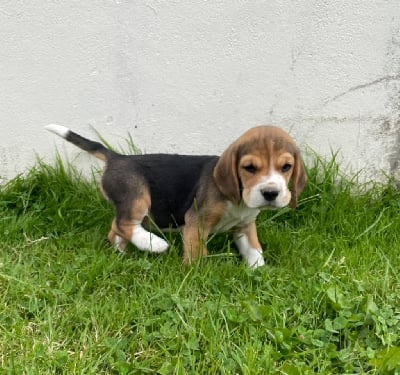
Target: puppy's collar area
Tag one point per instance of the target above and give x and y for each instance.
(236, 215)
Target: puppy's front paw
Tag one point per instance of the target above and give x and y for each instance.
(254, 258)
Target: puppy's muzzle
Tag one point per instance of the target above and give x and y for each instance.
(270, 194)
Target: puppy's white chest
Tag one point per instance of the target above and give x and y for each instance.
(236, 216)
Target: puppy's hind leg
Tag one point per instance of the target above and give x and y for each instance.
(116, 239)
(147, 241)
(127, 227)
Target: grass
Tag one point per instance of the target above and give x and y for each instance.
(327, 302)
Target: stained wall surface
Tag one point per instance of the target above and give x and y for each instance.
(190, 76)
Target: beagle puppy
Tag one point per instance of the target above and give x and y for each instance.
(262, 169)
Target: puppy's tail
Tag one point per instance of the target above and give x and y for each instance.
(95, 148)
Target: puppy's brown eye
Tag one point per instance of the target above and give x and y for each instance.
(286, 167)
(250, 168)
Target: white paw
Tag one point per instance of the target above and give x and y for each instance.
(147, 241)
(254, 258)
(157, 244)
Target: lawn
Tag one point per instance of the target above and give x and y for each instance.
(327, 302)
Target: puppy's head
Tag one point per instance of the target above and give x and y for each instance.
(263, 168)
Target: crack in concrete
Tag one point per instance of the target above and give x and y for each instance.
(387, 78)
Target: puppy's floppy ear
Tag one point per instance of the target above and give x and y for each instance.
(299, 179)
(226, 174)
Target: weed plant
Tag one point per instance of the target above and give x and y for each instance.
(327, 302)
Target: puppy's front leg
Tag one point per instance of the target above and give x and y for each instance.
(195, 234)
(198, 225)
(194, 243)
(249, 247)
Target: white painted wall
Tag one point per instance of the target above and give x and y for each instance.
(190, 76)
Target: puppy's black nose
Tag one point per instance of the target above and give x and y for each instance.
(270, 195)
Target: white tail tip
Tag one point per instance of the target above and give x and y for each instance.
(60, 130)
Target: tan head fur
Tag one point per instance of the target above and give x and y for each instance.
(259, 167)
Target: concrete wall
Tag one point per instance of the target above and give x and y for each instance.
(190, 76)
